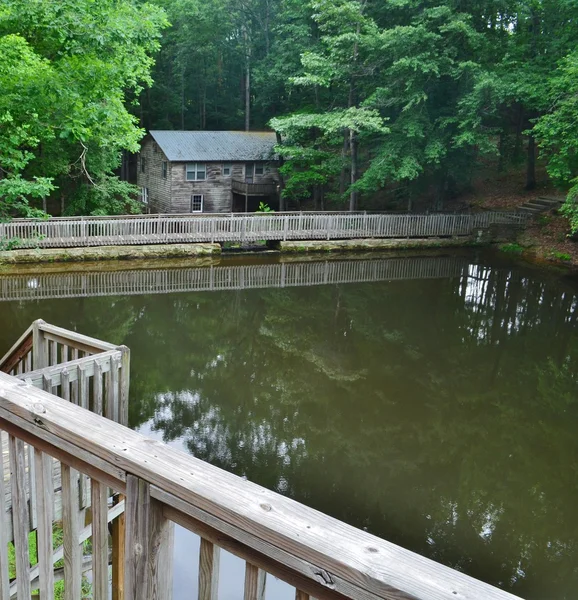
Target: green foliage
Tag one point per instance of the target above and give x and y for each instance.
(563, 256)
(264, 208)
(68, 74)
(512, 248)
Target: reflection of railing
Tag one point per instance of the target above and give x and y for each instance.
(164, 229)
(157, 281)
(254, 189)
(318, 555)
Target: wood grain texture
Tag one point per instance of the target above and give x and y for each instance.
(44, 506)
(118, 553)
(4, 526)
(137, 513)
(255, 581)
(20, 515)
(99, 540)
(334, 555)
(97, 396)
(160, 554)
(70, 527)
(209, 560)
(299, 595)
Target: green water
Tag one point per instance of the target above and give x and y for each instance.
(440, 414)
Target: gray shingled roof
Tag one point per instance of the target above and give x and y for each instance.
(206, 146)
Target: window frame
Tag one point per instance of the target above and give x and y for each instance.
(195, 171)
(144, 195)
(202, 197)
(259, 167)
(228, 166)
(165, 169)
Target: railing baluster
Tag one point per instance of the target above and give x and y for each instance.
(70, 527)
(20, 515)
(99, 540)
(209, 559)
(4, 579)
(44, 507)
(255, 580)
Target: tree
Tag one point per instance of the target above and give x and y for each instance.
(71, 70)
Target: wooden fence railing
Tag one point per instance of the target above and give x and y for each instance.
(40, 491)
(318, 555)
(163, 229)
(226, 277)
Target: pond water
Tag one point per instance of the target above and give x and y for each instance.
(440, 413)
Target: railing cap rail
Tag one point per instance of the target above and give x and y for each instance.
(333, 553)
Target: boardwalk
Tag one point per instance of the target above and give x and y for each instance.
(243, 228)
(216, 278)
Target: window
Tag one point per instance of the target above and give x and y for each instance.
(197, 203)
(144, 195)
(227, 169)
(259, 169)
(142, 164)
(165, 169)
(196, 171)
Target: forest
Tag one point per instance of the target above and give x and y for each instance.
(377, 104)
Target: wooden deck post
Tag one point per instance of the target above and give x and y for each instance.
(148, 546)
(118, 554)
(39, 347)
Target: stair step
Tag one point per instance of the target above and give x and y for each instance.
(530, 209)
(547, 201)
(538, 206)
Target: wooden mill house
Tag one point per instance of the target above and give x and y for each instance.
(208, 171)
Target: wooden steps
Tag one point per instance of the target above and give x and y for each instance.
(540, 205)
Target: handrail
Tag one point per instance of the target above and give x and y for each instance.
(19, 349)
(321, 555)
(167, 229)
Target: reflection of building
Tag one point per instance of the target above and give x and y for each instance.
(208, 171)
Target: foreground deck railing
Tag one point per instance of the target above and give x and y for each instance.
(163, 229)
(224, 277)
(320, 556)
(40, 491)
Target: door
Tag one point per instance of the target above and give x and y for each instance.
(249, 172)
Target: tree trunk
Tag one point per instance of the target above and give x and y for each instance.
(281, 180)
(531, 171)
(343, 174)
(353, 193)
(247, 84)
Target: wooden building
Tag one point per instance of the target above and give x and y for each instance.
(208, 171)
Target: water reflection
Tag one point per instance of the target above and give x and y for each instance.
(440, 414)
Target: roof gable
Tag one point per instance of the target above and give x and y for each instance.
(208, 146)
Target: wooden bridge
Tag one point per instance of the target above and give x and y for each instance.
(152, 486)
(67, 284)
(170, 229)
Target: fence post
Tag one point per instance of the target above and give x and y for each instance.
(148, 545)
(39, 346)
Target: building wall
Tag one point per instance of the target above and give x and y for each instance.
(173, 194)
(159, 189)
(216, 189)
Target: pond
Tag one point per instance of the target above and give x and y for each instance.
(433, 402)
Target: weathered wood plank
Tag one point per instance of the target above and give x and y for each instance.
(70, 527)
(99, 541)
(20, 514)
(118, 554)
(44, 506)
(137, 515)
(344, 559)
(4, 526)
(255, 581)
(209, 559)
(299, 595)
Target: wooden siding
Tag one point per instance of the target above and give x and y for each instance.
(216, 189)
(159, 188)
